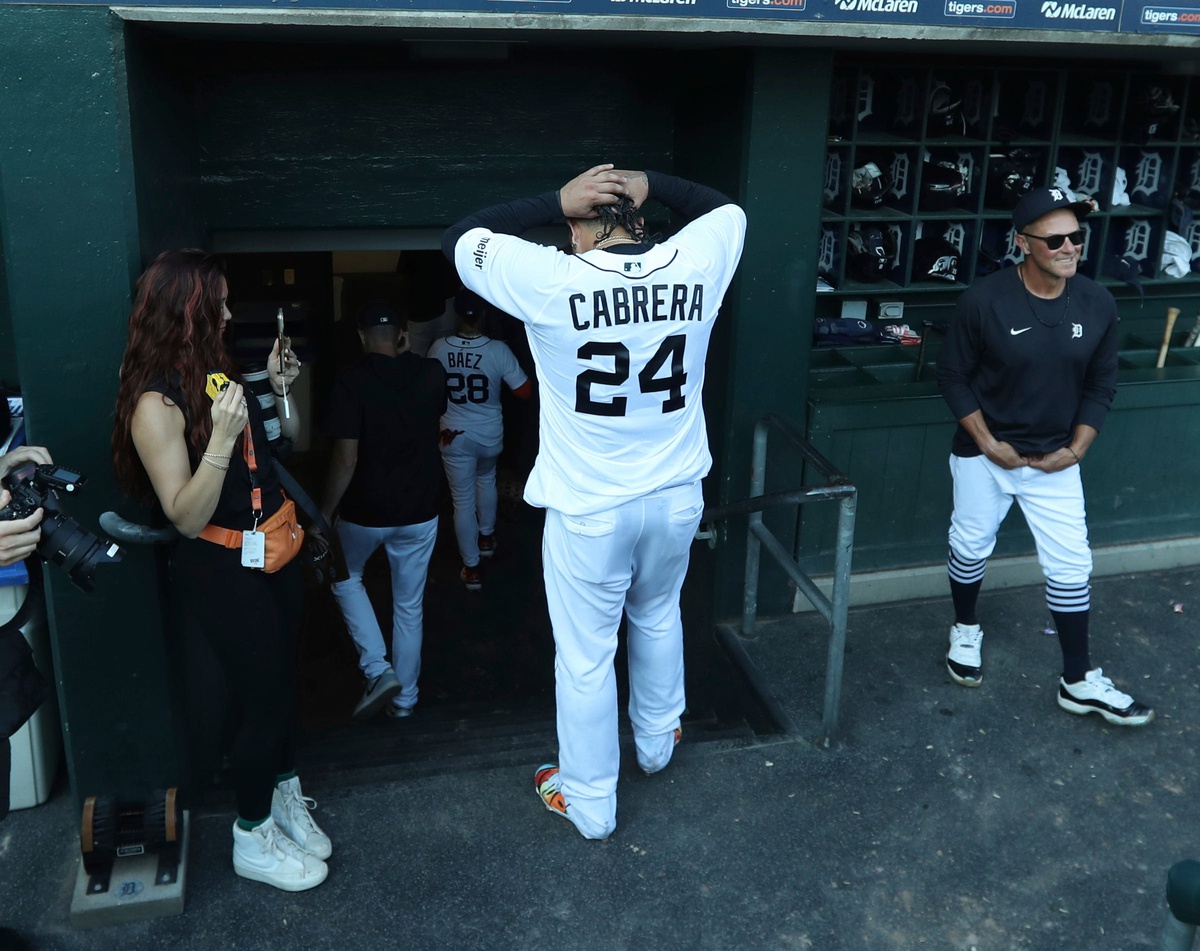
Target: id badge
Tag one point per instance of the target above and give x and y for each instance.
(254, 549)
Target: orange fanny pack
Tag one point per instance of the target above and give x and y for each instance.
(282, 536)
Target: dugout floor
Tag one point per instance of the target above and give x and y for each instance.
(487, 679)
(946, 818)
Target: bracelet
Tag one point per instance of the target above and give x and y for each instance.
(213, 464)
(1072, 452)
(278, 395)
(217, 455)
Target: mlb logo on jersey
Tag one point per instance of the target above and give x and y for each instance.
(633, 267)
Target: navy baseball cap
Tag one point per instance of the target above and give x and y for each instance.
(377, 313)
(1042, 201)
(469, 305)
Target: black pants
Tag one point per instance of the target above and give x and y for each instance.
(250, 619)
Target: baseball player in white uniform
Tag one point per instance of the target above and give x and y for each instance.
(473, 427)
(618, 330)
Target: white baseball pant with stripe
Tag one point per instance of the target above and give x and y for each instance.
(1052, 503)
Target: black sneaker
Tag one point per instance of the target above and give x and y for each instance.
(1096, 694)
(378, 692)
(487, 546)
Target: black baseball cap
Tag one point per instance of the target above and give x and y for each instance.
(469, 305)
(377, 313)
(1042, 201)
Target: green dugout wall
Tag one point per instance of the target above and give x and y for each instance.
(121, 138)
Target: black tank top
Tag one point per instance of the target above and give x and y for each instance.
(234, 509)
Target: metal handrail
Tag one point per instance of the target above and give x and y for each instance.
(837, 488)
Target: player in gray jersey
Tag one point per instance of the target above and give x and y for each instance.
(473, 428)
(1029, 369)
(618, 330)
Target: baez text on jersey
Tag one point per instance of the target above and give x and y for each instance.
(637, 304)
(458, 359)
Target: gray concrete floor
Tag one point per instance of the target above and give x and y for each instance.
(945, 818)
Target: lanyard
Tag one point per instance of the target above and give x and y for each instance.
(252, 465)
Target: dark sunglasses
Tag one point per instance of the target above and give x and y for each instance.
(1055, 241)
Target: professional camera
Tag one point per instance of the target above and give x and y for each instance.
(64, 541)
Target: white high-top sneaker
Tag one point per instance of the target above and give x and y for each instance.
(290, 810)
(265, 854)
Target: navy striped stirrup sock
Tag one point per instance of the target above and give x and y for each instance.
(1070, 606)
(966, 578)
(1068, 598)
(1073, 639)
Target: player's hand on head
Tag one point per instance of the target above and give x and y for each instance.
(599, 185)
(637, 185)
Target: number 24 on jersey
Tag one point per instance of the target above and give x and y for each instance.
(651, 378)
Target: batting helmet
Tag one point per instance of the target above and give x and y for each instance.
(943, 115)
(943, 184)
(869, 184)
(1153, 105)
(1010, 175)
(935, 259)
(867, 257)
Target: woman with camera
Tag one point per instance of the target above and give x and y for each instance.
(186, 435)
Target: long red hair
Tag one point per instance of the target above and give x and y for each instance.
(174, 334)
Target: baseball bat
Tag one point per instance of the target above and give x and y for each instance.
(1193, 337)
(1172, 313)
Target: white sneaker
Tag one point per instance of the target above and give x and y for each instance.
(289, 809)
(1096, 694)
(265, 854)
(964, 660)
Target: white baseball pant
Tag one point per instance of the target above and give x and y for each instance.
(632, 558)
(471, 472)
(408, 550)
(1052, 503)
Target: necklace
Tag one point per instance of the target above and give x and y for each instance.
(1029, 299)
(618, 239)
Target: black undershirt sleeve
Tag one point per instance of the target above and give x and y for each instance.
(510, 217)
(687, 199)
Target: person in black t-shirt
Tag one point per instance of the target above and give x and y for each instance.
(203, 457)
(1029, 369)
(384, 475)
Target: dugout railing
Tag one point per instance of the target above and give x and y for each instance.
(834, 608)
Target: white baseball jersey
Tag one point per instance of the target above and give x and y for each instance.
(475, 367)
(619, 342)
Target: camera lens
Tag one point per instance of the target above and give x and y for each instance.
(73, 548)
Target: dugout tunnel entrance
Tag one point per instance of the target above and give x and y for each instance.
(487, 681)
(324, 168)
